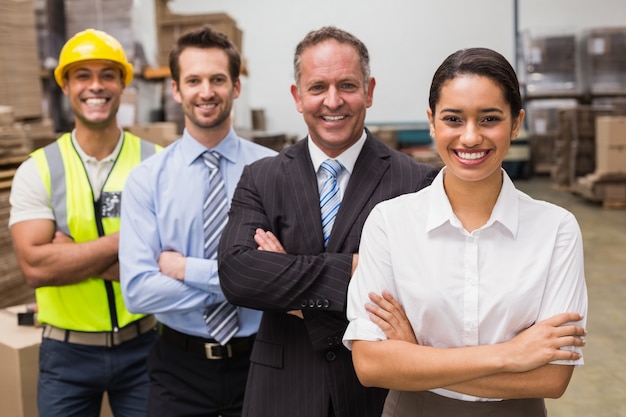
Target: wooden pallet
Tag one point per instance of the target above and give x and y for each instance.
(606, 189)
(614, 204)
(8, 166)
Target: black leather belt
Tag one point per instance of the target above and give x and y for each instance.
(208, 348)
(102, 339)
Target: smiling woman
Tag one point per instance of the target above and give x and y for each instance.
(492, 281)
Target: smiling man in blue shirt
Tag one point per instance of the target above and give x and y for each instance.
(165, 268)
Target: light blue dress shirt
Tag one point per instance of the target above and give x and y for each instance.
(162, 210)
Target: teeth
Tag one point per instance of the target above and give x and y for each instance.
(95, 101)
(206, 106)
(333, 118)
(471, 155)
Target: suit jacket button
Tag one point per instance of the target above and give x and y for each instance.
(330, 356)
(326, 303)
(311, 303)
(318, 303)
(330, 341)
(304, 303)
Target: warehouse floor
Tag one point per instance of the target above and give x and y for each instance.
(598, 389)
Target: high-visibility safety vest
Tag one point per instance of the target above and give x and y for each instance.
(94, 304)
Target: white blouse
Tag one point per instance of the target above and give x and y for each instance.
(466, 289)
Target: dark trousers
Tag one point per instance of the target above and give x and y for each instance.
(186, 384)
(73, 378)
(428, 404)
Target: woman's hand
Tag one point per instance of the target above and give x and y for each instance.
(389, 315)
(541, 343)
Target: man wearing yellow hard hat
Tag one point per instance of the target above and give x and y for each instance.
(65, 218)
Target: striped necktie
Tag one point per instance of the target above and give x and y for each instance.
(221, 319)
(330, 198)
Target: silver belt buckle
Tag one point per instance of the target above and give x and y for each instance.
(208, 349)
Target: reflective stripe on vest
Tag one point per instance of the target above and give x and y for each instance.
(85, 306)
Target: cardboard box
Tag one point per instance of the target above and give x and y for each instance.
(551, 62)
(19, 366)
(20, 84)
(605, 60)
(127, 112)
(170, 26)
(610, 144)
(161, 133)
(608, 189)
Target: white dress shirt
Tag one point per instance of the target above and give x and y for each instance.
(347, 158)
(466, 289)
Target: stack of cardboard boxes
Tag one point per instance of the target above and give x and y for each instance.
(20, 82)
(19, 365)
(161, 133)
(604, 60)
(111, 16)
(607, 184)
(171, 25)
(542, 118)
(552, 63)
(575, 144)
(13, 151)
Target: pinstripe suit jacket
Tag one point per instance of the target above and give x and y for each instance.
(298, 366)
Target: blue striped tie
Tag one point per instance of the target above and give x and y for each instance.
(221, 319)
(330, 198)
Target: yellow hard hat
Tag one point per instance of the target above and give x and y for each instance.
(92, 44)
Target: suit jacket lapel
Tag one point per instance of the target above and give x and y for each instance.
(368, 171)
(304, 193)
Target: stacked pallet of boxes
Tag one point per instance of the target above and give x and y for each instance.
(606, 71)
(553, 81)
(171, 25)
(575, 144)
(571, 80)
(111, 16)
(604, 62)
(607, 184)
(20, 104)
(543, 129)
(552, 63)
(13, 151)
(20, 84)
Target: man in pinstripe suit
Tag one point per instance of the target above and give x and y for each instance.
(272, 255)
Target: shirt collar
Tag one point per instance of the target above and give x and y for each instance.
(347, 158)
(439, 208)
(88, 158)
(192, 149)
(505, 211)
